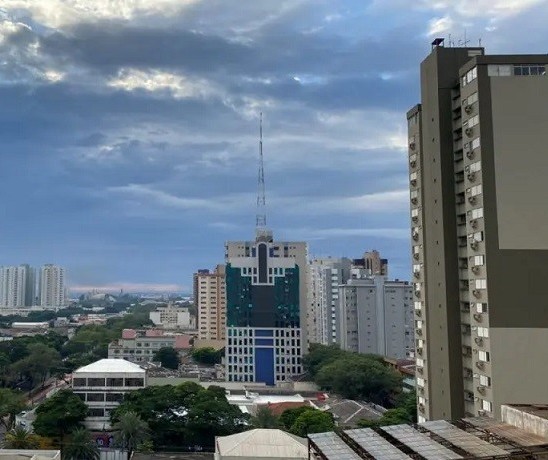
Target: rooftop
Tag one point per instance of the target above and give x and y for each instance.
(262, 443)
(114, 366)
(27, 454)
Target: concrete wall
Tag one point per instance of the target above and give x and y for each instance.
(529, 422)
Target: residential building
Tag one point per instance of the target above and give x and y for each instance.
(52, 286)
(375, 316)
(17, 286)
(210, 301)
(325, 275)
(266, 287)
(372, 262)
(141, 345)
(172, 317)
(478, 196)
(102, 386)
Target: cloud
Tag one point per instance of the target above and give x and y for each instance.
(440, 26)
(308, 234)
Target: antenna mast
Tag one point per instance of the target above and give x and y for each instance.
(261, 230)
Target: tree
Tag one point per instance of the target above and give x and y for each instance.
(264, 418)
(312, 421)
(206, 355)
(405, 412)
(80, 446)
(11, 403)
(320, 355)
(289, 416)
(20, 438)
(60, 415)
(37, 365)
(131, 431)
(168, 356)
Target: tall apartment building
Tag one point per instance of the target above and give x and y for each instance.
(372, 262)
(266, 309)
(478, 190)
(210, 301)
(52, 286)
(172, 317)
(324, 277)
(375, 316)
(17, 286)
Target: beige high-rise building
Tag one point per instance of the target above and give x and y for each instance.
(210, 300)
(479, 198)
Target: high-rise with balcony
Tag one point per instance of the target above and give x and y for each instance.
(17, 286)
(52, 286)
(210, 301)
(478, 190)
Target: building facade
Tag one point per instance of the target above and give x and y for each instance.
(325, 275)
(141, 345)
(102, 386)
(210, 301)
(376, 316)
(266, 309)
(478, 194)
(372, 262)
(172, 317)
(52, 286)
(17, 286)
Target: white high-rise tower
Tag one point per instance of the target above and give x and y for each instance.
(52, 286)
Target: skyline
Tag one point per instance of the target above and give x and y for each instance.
(131, 130)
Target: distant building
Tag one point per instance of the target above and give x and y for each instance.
(210, 301)
(376, 316)
(29, 454)
(102, 385)
(372, 262)
(141, 345)
(266, 284)
(324, 277)
(172, 317)
(52, 286)
(17, 286)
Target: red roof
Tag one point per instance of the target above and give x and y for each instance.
(182, 342)
(129, 334)
(154, 333)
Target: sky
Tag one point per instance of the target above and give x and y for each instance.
(129, 128)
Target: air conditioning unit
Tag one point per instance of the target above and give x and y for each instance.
(413, 163)
(418, 312)
(472, 177)
(480, 364)
(469, 132)
(417, 274)
(418, 331)
(482, 412)
(475, 269)
(478, 317)
(476, 293)
(414, 200)
(416, 236)
(472, 199)
(473, 223)
(474, 245)
(412, 145)
(467, 169)
(481, 389)
(421, 407)
(478, 341)
(416, 256)
(413, 182)
(417, 293)
(470, 154)
(468, 109)
(419, 350)
(415, 218)
(420, 370)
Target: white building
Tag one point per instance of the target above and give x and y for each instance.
(325, 275)
(172, 317)
(29, 454)
(17, 286)
(102, 385)
(52, 286)
(376, 316)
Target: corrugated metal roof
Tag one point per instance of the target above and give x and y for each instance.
(262, 443)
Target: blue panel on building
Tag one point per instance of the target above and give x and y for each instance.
(264, 342)
(264, 333)
(264, 365)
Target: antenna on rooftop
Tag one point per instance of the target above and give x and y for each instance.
(260, 224)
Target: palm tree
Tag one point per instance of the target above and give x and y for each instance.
(80, 446)
(20, 438)
(131, 431)
(264, 418)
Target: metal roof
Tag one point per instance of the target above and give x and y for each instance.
(375, 445)
(332, 446)
(110, 366)
(262, 443)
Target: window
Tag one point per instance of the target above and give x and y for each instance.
(413, 176)
(115, 382)
(481, 307)
(470, 99)
(476, 213)
(473, 121)
(478, 261)
(486, 405)
(485, 381)
(483, 356)
(420, 362)
(415, 213)
(475, 143)
(79, 382)
(475, 167)
(481, 284)
(96, 382)
(499, 70)
(474, 191)
(93, 412)
(130, 382)
(483, 332)
(529, 69)
(420, 382)
(94, 397)
(478, 236)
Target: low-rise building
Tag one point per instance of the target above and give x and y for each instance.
(141, 345)
(29, 454)
(102, 385)
(172, 317)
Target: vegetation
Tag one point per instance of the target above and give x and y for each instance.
(184, 415)
(60, 415)
(206, 355)
(264, 418)
(12, 402)
(405, 412)
(352, 375)
(168, 356)
(132, 432)
(304, 420)
(80, 446)
(20, 438)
